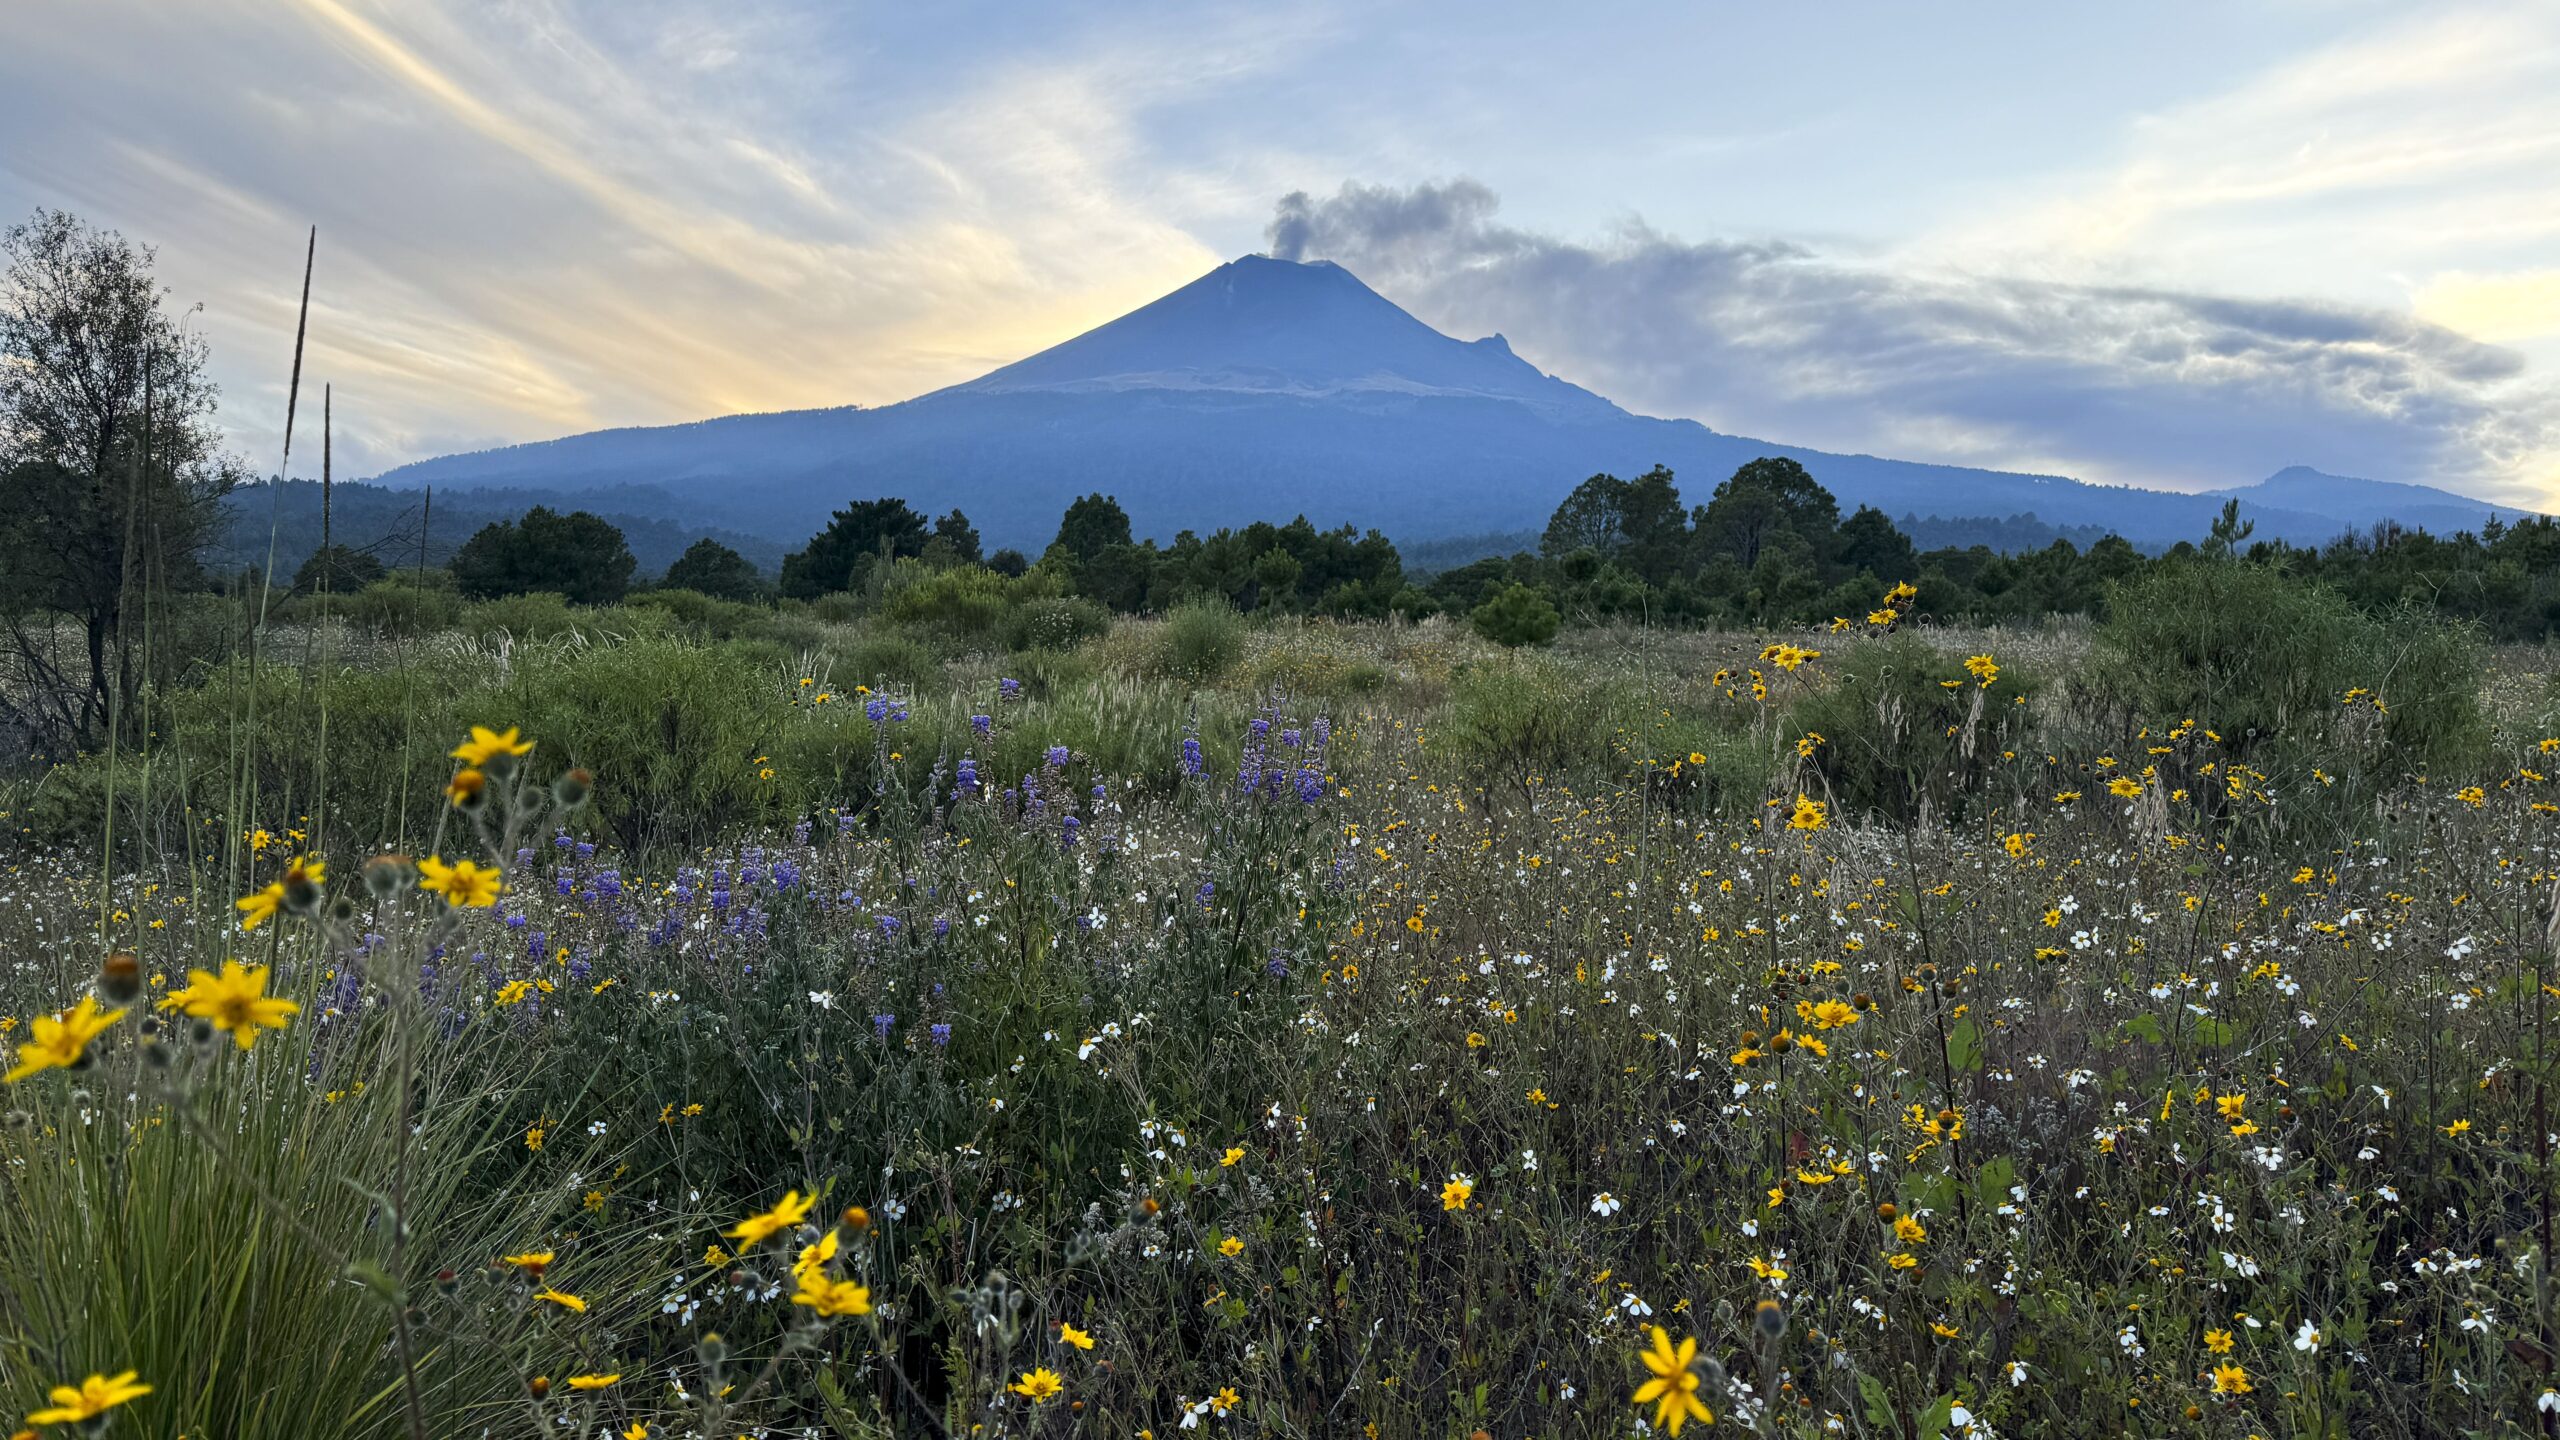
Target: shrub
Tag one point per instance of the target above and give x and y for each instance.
(402, 607)
(1904, 725)
(1200, 641)
(966, 602)
(1060, 623)
(881, 658)
(1520, 615)
(2269, 661)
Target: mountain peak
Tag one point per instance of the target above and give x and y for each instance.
(1307, 328)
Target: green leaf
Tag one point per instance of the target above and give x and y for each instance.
(1934, 1420)
(1879, 1405)
(2210, 1031)
(1964, 1046)
(2145, 1027)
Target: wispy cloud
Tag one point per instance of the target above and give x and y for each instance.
(2113, 382)
(537, 217)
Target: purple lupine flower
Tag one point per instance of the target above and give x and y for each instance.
(609, 883)
(800, 833)
(1067, 830)
(876, 709)
(1208, 892)
(881, 1024)
(564, 883)
(785, 874)
(1057, 757)
(1278, 967)
(1192, 764)
(562, 841)
(965, 783)
(984, 725)
(942, 1036)
(1008, 689)
(889, 925)
(1291, 738)
(941, 926)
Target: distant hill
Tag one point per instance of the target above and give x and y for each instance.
(1269, 388)
(392, 524)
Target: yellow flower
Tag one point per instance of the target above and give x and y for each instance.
(1982, 668)
(2231, 1380)
(1832, 1014)
(235, 1001)
(832, 1297)
(486, 745)
(2124, 787)
(565, 1301)
(1901, 1262)
(464, 884)
(637, 1431)
(1909, 1231)
(815, 1257)
(1231, 1247)
(1226, 1399)
(256, 910)
(1081, 1339)
(1454, 1195)
(532, 1262)
(90, 1399)
(513, 992)
(2458, 1127)
(1673, 1390)
(2218, 1341)
(61, 1042)
(755, 1229)
(1037, 1385)
(593, 1382)
(1235, 1153)
(465, 787)
(1809, 814)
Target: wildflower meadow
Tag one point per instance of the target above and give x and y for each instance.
(654, 1026)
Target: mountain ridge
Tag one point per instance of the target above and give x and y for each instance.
(1268, 387)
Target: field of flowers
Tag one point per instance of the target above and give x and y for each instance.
(1848, 1034)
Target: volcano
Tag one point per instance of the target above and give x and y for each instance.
(1271, 388)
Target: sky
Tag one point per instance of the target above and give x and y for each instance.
(2179, 245)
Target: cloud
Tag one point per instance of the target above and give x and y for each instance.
(2112, 382)
(543, 216)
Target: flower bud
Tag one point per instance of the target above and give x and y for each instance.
(120, 977)
(388, 875)
(572, 788)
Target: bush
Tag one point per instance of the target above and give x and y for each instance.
(403, 607)
(1904, 725)
(880, 658)
(2268, 661)
(1057, 624)
(966, 602)
(1200, 641)
(1518, 616)
(1524, 720)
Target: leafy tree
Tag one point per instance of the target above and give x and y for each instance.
(1092, 525)
(1870, 542)
(1518, 616)
(111, 474)
(1010, 563)
(955, 531)
(1275, 576)
(858, 533)
(578, 555)
(711, 568)
(1592, 518)
(1765, 498)
(342, 569)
